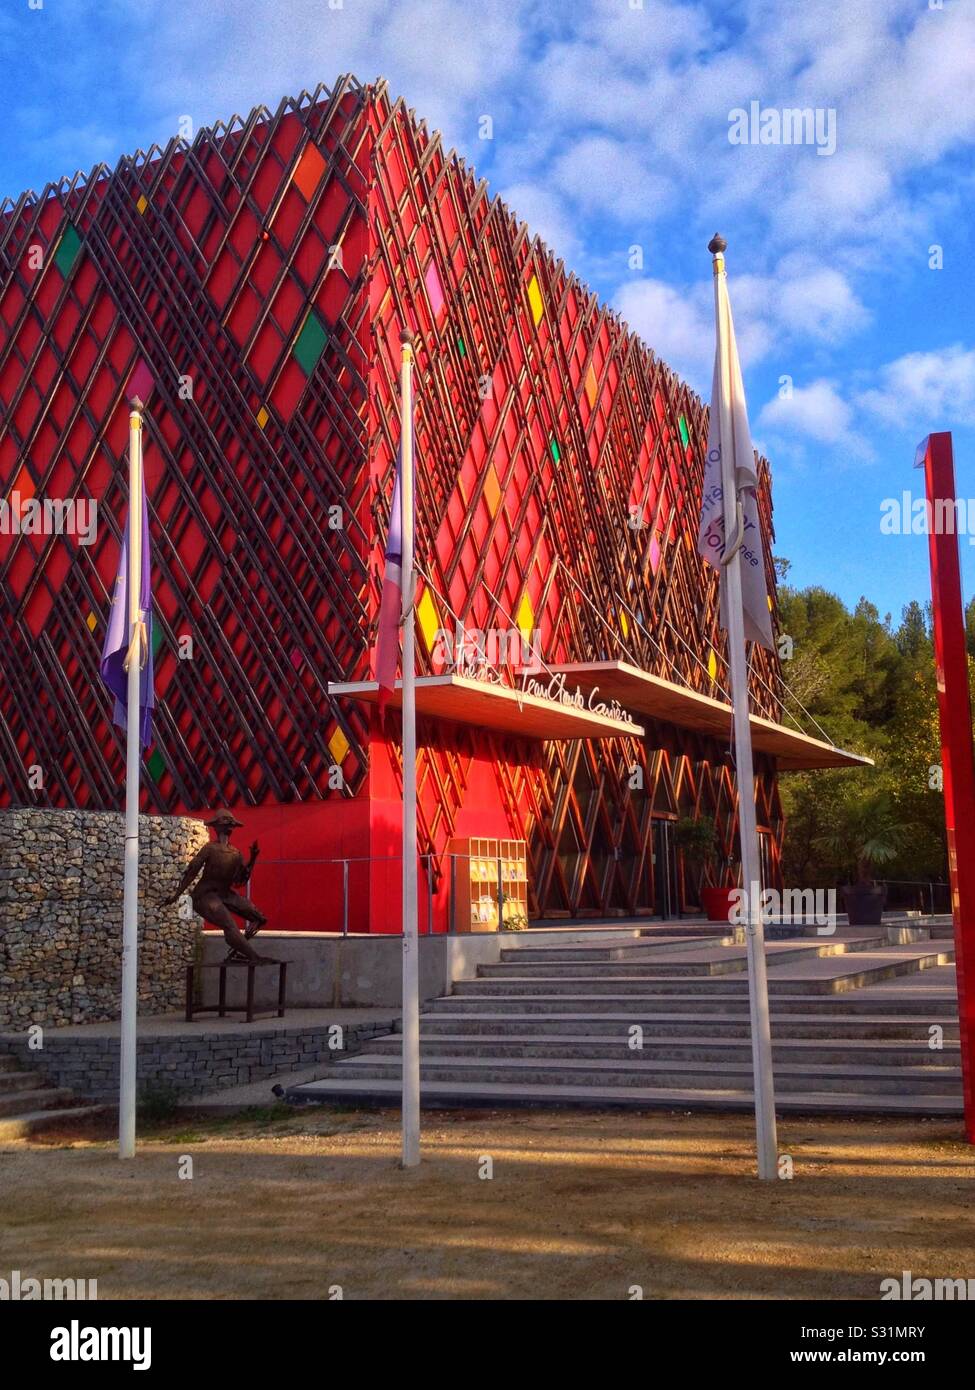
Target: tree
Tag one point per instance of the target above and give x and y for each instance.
(871, 688)
(866, 833)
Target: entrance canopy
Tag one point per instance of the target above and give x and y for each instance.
(468, 701)
(658, 698)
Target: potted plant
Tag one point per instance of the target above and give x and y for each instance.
(513, 917)
(867, 832)
(697, 839)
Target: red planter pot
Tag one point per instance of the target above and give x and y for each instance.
(717, 903)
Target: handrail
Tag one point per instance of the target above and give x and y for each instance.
(346, 860)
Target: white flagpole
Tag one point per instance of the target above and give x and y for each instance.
(765, 1133)
(130, 900)
(411, 993)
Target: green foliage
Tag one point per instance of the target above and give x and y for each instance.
(698, 839)
(871, 687)
(514, 921)
(158, 1103)
(865, 831)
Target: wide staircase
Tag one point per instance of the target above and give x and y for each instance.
(655, 1020)
(29, 1104)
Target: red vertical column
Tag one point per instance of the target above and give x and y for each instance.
(957, 756)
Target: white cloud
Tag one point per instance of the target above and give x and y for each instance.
(929, 390)
(612, 116)
(602, 174)
(546, 217)
(212, 59)
(797, 302)
(916, 102)
(921, 390)
(622, 111)
(678, 326)
(817, 410)
(819, 303)
(837, 192)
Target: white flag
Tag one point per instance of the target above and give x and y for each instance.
(741, 466)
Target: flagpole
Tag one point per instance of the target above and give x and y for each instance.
(765, 1131)
(130, 901)
(411, 994)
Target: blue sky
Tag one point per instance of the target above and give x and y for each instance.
(610, 130)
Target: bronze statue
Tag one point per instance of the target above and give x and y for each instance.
(213, 896)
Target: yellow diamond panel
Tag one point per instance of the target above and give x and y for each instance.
(535, 299)
(592, 386)
(143, 203)
(712, 664)
(492, 490)
(338, 746)
(262, 417)
(429, 619)
(525, 617)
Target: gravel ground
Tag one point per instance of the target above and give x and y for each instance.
(580, 1205)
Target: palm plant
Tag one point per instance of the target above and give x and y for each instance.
(866, 832)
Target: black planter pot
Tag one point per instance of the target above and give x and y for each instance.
(864, 903)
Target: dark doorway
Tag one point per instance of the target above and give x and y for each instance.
(765, 859)
(666, 899)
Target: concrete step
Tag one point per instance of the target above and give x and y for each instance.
(36, 1121)
(593, 933)
(49, 1097)
(8, 1062)
(814, 975)
(19, 1081)
(550, 1025)
(933, 1006)
(849, 1079)
(700, 960)
(386, 1092)
(677, 1025)
(673, 949)
(701, 929)
(836, 1052)
(634, 948)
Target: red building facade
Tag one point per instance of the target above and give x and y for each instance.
(254, 285)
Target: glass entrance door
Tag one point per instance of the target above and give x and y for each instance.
(765, 858)
(666, 899)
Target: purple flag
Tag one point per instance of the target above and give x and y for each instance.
(391, 603)
(117, 638)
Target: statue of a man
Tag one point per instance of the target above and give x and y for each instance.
(223, 869)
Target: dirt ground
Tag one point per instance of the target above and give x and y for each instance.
(581, 1205)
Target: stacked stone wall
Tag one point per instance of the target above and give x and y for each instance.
(61, 915)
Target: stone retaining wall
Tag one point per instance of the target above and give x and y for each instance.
(61, 915)
(197, 1064)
